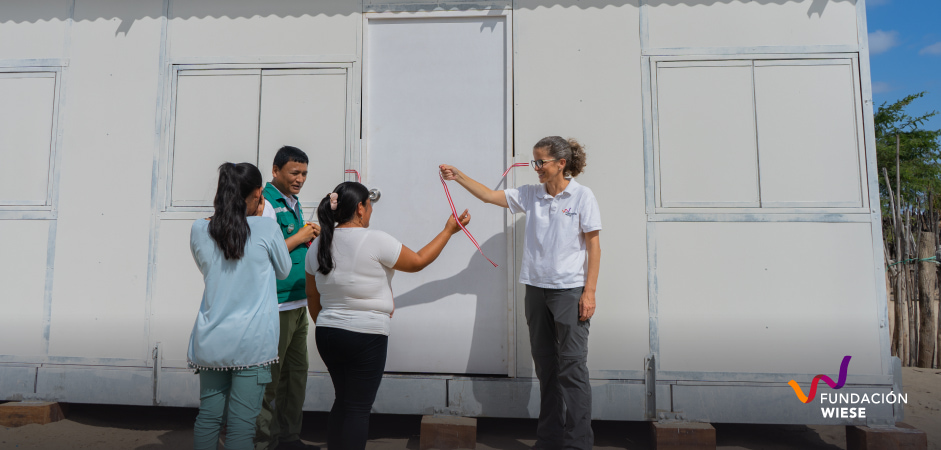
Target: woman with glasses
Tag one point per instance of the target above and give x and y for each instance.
(561, 259)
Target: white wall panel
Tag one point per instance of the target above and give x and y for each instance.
(104, 214)
(33, 29)
(807, 133)
(306, 108)
(26, 118)
(700, 23)
(766, 297)
(219, 28)
(23, 278)
(705, 134)
(568, 84)
(177, 291)
(216, 121)
(437, 92)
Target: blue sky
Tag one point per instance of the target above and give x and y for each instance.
(905, 51)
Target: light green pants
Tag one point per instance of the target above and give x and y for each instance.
(283, 407)
(233, 395)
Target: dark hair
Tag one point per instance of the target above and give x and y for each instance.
(349, 195)
(288, 154)
(570, 150)
(229, 226)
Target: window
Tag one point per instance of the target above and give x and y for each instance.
(245, 115)
(27, 136)
(759, 134)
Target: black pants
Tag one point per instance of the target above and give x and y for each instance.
(355, 362)
(559, 344)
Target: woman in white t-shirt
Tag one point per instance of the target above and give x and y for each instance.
(349, 296)
(561, 260)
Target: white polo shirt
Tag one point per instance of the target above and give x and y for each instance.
(554, 254)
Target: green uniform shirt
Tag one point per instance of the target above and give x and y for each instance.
(291, 288)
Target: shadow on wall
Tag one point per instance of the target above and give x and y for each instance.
(488, 401)
(466, 282)
(128, 12)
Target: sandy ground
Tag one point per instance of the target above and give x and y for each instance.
(146, 428)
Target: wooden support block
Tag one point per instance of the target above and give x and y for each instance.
(683, 436)
(16, 414)
(448, 433)
(900, 437)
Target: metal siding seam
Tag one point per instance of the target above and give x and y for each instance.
(649, 183)
(47, 294)
(159, 123)
(649, 188)
(872, 175)
(754, 105)
(38, 62)
(759, 217)
(652, 290)
(511, 285)
(644, 17)
(61, 84)
(725, 51)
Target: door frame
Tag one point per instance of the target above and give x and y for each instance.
(509, 223)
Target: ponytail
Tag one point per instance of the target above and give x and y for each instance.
(229, 225)
(577, 164)
(350, 194)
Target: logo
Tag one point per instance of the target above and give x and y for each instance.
(813, 384)
(569, 212)
(853, 399)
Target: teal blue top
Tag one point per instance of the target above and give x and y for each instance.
(237, 325)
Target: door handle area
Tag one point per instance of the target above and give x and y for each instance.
(374, 195)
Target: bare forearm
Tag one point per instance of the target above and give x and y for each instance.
(474, 187)
(429, 253)
(482, 192)
(293, 241)
(594, 266)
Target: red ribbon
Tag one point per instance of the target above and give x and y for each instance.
(511, 167)
(458, 220)
(447, 193)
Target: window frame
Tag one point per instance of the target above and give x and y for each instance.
(765, 210)
(42, 69)
(193, 209)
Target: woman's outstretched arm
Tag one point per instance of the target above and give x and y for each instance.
(478, 190)
(410, 261)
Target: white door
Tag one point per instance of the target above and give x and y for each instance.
(436, 92)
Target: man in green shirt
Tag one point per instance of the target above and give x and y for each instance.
(279, 424)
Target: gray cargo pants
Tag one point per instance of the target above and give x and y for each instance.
(559, 344)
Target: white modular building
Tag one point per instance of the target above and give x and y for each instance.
(730, 147)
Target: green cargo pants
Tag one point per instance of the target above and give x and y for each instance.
(282, 409)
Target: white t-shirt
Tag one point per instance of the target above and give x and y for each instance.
(269, 213)
(357, 294)
(554, 253)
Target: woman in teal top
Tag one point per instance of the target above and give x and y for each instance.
(235, 337)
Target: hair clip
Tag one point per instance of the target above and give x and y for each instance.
(333, 201)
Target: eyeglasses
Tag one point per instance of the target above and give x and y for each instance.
(538, 163)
